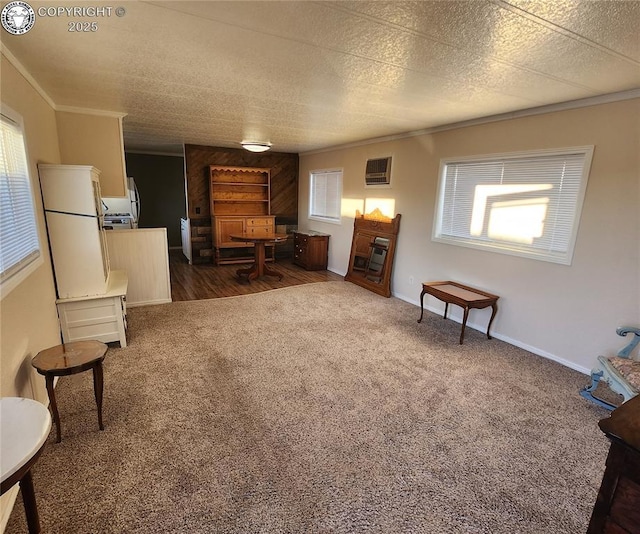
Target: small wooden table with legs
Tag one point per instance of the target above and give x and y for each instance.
(69, 359)
(464, 296)
(259, 267)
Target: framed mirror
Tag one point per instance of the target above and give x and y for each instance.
(372, 250)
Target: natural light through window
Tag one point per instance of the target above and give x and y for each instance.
(518, 221)
(525, 204)
(20, 250)
(512, 220)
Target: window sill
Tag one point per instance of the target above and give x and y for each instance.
(15, 280)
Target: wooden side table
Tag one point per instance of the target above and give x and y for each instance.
(24, 427)
(69, 359)
(464, 296)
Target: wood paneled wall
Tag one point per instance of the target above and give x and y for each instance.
(284, 188)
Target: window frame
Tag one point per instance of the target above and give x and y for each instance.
(327, 219)
(24, 271)
(512, 248)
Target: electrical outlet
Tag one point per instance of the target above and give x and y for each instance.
(411, 280)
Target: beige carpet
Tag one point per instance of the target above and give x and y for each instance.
(319, 408)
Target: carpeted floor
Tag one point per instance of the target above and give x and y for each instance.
(319, 408)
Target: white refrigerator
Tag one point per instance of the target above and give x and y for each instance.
(71, 197)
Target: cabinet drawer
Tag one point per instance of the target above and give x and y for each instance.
(103, 319)
(260, 221)
(259, 230)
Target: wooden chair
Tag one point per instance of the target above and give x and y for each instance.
(620, 372)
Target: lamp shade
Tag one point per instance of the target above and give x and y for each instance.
(252, 146)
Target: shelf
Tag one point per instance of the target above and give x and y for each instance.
(237, 195)
(239, 191)
(240, 184)
(245, 200)
(243, 170)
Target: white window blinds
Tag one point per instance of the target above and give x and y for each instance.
(19, 243)
(326, 195)
(525, 204)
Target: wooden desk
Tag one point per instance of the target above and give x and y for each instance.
(259, 267)
(69, 359)
(24, 427)
(464, 296)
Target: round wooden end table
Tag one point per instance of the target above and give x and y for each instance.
(69, 359)
(24, 427)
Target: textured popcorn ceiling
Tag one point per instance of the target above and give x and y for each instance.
(307, 75)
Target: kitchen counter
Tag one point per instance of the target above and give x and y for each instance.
(144, 254)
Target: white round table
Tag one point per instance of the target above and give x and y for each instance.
(24, 427)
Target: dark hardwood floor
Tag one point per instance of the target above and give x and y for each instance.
(206, 281)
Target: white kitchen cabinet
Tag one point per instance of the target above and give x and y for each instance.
(97, 317)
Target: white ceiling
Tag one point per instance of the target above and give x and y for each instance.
(307, 75)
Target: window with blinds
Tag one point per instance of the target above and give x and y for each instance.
(325, 195)
(525, 204)
(19, 243)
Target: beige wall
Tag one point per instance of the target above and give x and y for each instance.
(568, 313)
(29, 318)
(94, 140)
(29, 322)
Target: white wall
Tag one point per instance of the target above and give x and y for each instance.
(567, 313)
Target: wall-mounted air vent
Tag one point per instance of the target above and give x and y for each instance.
(378, 172)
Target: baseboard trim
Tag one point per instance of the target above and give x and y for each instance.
(148, 302)
(483, 328)
(496, 334)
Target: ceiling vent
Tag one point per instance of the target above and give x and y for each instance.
(378, 172)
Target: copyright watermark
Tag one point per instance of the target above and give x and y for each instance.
(18, 17)
(81, 11)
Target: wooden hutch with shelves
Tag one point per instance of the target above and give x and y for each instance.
(239, 203)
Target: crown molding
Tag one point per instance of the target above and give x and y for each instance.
(540, 110)
(89, 111)
(25, 73)
(34, 83)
